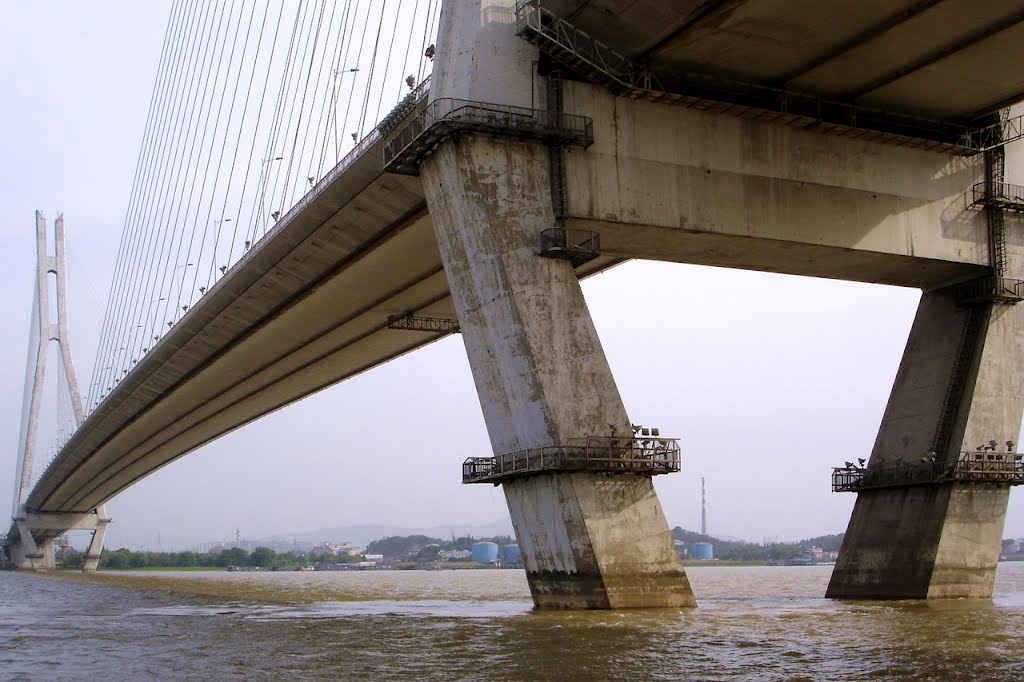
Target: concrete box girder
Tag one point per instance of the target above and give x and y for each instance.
(757, 195)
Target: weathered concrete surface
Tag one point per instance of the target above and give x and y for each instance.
(33, 555)
(670, 183)
(938, 541)
(596, 541)
(922, 542)
(588, 540)
(479, 57)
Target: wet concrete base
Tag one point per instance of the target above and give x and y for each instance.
(555, 590)
(596, 541)
(922, 542)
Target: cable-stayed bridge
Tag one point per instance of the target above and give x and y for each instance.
(311, 202)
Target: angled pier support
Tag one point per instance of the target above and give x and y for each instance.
(589, 539)
(956, 404)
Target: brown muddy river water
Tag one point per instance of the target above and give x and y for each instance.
(756, 623)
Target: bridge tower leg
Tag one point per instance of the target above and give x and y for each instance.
(26, 551)
(588, 540)
(959, 388)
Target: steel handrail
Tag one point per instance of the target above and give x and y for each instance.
(978, 467)
(596, 453)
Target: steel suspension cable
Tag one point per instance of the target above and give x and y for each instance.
(211, 271)
(252, 149)
(144, 265)
(270, 155)
(206, 170)
(157, 180)
(173, 21)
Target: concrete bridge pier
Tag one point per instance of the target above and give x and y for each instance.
(42, 558)
(589, 540)
(960, 387)
(28, 554)
(99, 533)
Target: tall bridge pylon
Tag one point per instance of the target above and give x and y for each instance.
(32, 546)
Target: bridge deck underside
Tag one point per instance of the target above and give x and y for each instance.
(948, 60)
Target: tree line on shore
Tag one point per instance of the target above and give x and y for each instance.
(260, 557)
(730, 550)
(398, 548)
(395, 549)
(417, 548)
(407, 548)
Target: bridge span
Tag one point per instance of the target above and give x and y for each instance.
(306, 307)
(559, 138)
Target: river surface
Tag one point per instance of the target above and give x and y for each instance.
(753, 623)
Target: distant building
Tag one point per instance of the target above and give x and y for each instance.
(823, 555)
(330, 549)
(454, 554)
(703, 551)
(485, 552)
(510, 554)
(373, 558)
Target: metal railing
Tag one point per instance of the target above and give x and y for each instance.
(990, 290)
(648, 456)
(996, 135)
(576, 246)
(584, 53)
(406, 146)
(405, 107)
(423, 324)
(970, 467)
(1000, 195)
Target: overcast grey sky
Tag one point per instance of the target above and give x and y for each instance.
(769, 380)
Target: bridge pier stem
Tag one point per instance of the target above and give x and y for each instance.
(92, 554)
(588, 540)
(28, 554)
(960, 387)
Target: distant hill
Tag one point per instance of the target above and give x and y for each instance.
(364, 535)
(731, 550)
